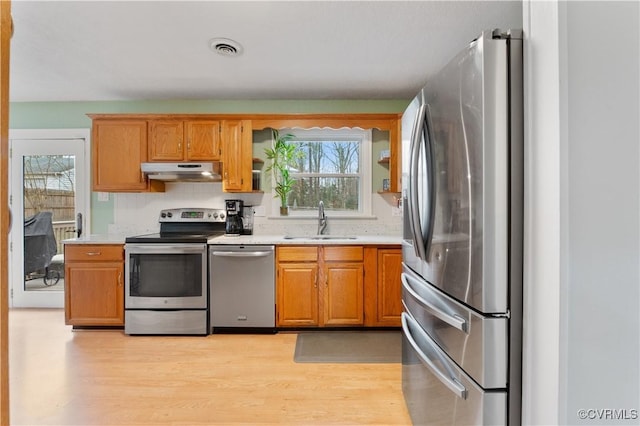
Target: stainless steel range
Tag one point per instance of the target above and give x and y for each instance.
(166, 279)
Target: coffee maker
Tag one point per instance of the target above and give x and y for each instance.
(233, 225)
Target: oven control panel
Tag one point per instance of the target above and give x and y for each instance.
(192, 215)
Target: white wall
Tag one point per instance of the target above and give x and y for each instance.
(542, 214)
(602, 349)
(582, 276)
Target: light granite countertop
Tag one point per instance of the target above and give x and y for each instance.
(311, 240)
(257, 239)
(97, 239)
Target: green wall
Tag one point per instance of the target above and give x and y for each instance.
(69, 115)
(57, 115)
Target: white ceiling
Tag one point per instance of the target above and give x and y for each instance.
(152, 50)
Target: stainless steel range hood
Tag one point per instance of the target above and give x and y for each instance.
(183, 172)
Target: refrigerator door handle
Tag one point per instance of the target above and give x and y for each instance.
(454, 320)
(447, 379)
(414, 209)
(431, 172)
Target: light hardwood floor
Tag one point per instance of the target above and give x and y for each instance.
(103, 377)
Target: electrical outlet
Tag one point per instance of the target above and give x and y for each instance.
(103, 196)
(396, 211)
(259, 211)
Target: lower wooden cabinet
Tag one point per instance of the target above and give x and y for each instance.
(343, 291)
(297, 294)
(338, 286)
(383, 288)
(320, 286)
(94, 284)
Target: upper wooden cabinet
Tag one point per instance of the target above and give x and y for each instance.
(203, 140)
(118, 147)
(121, 142)
(166, 140)
(179, 140)
(237, 158)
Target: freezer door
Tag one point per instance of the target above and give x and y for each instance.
(437, 391)
(461, 198)
(476, 343)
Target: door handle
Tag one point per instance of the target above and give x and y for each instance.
(446, 378)
(79, 224)
(429, 156)
(454, 320)
(414, 208)
(241, 253)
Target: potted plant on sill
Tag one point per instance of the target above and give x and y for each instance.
(282, 155)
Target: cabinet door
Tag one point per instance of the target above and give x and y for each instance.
(343, 294)
(297, 294)
(389, 292)
(166, 140)
(203, 140)
(118, 148)
(236, 155)
(94, 293)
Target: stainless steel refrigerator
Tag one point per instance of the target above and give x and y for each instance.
(462, 188)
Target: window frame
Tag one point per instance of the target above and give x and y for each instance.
(365, 139)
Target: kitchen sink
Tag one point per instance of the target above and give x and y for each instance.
(321, 237)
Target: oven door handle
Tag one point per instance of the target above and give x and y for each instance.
(241, 253)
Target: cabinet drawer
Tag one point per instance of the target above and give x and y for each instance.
(92, 252)
(343, 254)
(297, 254)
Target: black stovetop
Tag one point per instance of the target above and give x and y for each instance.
(172, 237)
(185, 226)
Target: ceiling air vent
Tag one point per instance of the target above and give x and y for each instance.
(225, 46)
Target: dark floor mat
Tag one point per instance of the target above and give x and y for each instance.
(349, 347)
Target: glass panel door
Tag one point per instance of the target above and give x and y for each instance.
(47, 192)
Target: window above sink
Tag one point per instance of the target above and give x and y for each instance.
(334, 167)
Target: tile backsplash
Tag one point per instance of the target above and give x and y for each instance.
(137, 213)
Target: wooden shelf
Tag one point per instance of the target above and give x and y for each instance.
(389, 192)
(258, 161)
(384, 160)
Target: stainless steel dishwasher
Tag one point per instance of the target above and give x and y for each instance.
(242, 288)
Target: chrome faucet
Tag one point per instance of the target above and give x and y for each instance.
(322, 219)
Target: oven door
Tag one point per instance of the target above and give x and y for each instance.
(166, 276)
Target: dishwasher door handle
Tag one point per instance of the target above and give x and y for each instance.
(241, 253)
